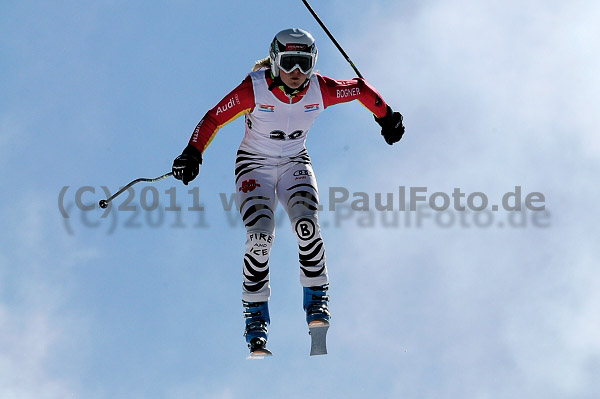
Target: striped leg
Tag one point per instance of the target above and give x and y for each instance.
(311, 252)
(298, 193)
(255, 287)
(256, 199)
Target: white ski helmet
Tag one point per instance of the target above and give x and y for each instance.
(293, 48)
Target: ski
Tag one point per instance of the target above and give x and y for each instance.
(259, 354)
(318, 338)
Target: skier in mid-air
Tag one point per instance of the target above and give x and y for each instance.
(280, 100)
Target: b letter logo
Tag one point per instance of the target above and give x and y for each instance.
(305, 229)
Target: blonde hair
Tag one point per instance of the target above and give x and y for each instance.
(260, 64)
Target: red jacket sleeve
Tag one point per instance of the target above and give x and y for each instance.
(342, 91)
(239, 102)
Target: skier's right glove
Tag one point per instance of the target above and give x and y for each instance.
(392, 128)
(187, 165)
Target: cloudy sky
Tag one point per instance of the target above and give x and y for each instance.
(146, 304)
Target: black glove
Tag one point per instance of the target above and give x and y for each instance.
(392, 128)
(187, 165)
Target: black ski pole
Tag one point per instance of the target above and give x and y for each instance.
(332, 38)
(104, 203)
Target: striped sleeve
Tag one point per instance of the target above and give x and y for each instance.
(240, 101)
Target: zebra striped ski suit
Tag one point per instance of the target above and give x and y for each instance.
(272, 165)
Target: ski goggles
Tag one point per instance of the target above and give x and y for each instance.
(288, 61)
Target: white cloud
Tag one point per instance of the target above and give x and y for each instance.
(528, 70)
(38, 339)
(494, 95)
(28, 336)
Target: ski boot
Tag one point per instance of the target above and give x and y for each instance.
(257, 322)
(317, 317)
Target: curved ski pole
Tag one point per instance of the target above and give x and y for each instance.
(314, 14)
(104, 203)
